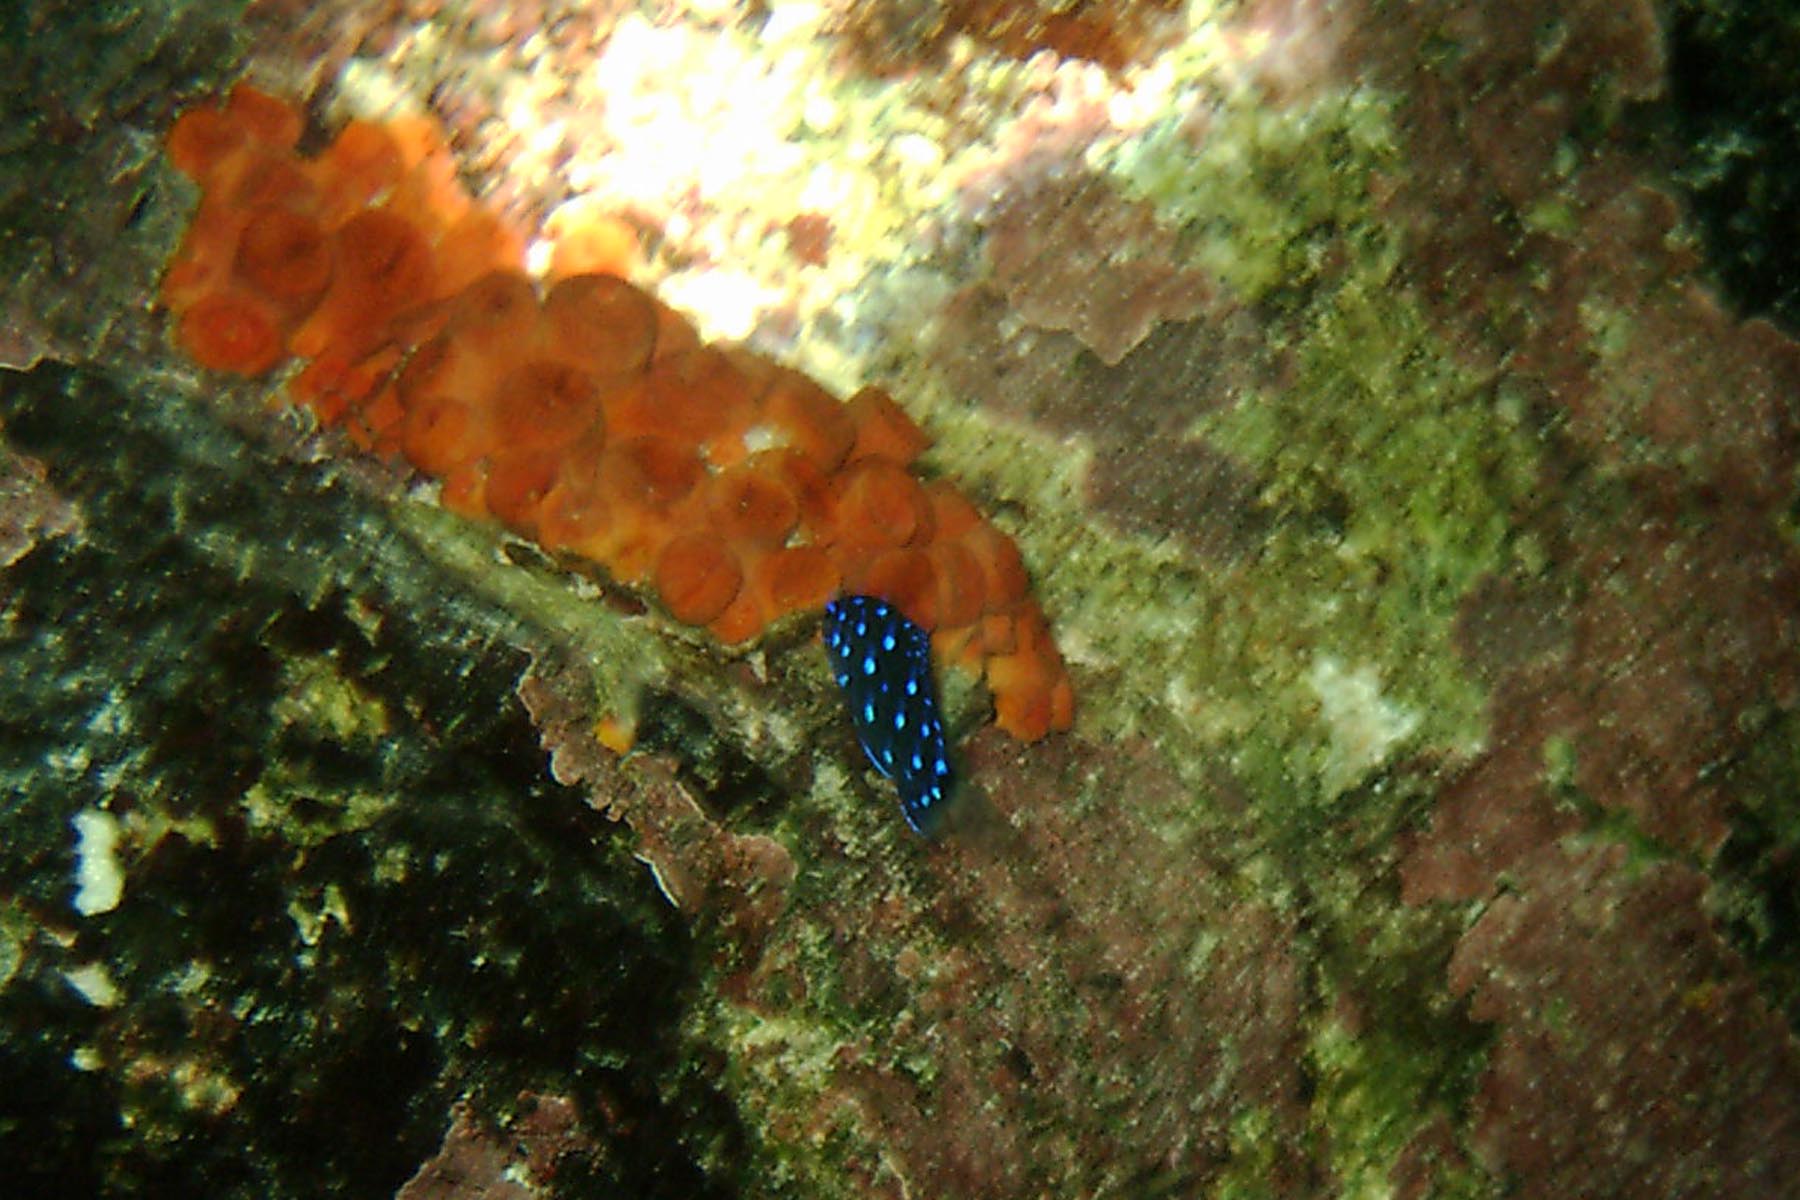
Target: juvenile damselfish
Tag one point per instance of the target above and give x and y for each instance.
(882, 662)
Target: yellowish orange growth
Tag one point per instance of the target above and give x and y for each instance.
(793, 579)
(959, 645)
(699, 395)
(439, 433)
(257, 179)
(600, 324)
(960, 582)
(997, 633)
(543, 406)
(591, 416)
(749, 506)
(697, 576)
(235, 332)
(907, 580)
(882, 430)
(1004, 580)
(360, 167)
(495, 314)
(479, 242)
(615, 734)
(517, 482)
(742, 620)
(382, 265)
(285, 256)
(880, 504)
(951, 512)
(201, 139)
(674, 332)
(267, 119)
(587, 239)
(574, 514)
(809, 419)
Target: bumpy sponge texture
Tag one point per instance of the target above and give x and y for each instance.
(586, 415)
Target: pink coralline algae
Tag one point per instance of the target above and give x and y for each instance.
(1062, 245)
(1634, 1053)
(31, 512)
(1098, 266)
(1634, 1058)
(1682, 623)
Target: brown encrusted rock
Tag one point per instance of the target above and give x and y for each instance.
(1684, 630)
(1634, 1055)
(1073, 254)
(31, 511)
(518, 1162)
(739, 881)
(1187, 488)
(1019, 1007)
(1689, 626)
(1673, 625)
(1500, 807)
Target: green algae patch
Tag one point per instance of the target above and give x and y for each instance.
(322, 716)
(623, 658)
(1373, 1101)
(723, 712)
(1394, 474)
(1390, 475)
(1395, 1057)
(1262, 194)
(315, 693)
(1251, 1171)
(1396, 478)
(785, 1065)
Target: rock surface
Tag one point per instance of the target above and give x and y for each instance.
(1419, 529)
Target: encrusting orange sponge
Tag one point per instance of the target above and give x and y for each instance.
(232, 331)
(590, 416)
(587, 239)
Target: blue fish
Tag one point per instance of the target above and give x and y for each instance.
(882, 661)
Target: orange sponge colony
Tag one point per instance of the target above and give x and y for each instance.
(588, 416)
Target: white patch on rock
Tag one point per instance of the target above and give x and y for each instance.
(95, 984)
(1364, 725)
(99, 883)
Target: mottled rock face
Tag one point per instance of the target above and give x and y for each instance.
(1414, 512)
(284, 862)
(1608, 1028)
